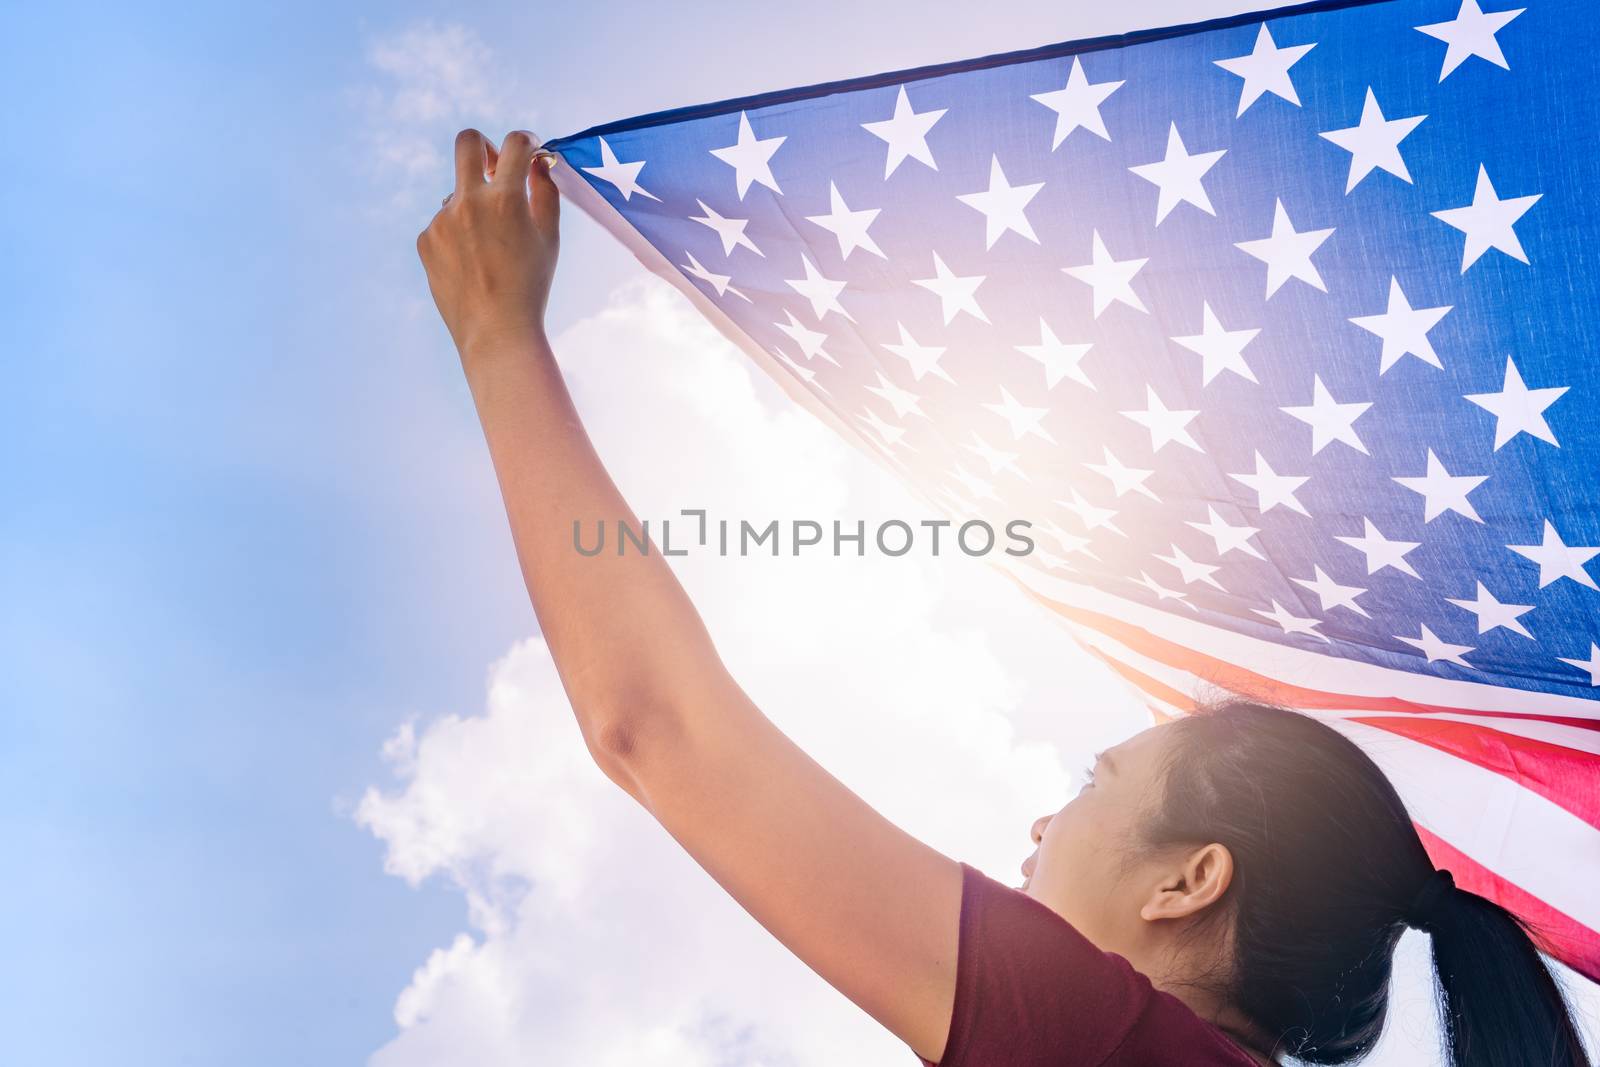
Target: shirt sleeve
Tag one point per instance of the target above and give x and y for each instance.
(1031, 991)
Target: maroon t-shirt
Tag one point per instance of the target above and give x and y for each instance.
(1033, 992)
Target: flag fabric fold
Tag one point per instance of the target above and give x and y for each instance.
(1281, 329)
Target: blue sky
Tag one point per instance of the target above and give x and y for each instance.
(249, 530)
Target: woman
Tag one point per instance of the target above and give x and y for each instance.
(1229, 889)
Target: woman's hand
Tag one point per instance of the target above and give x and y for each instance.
(490, 252)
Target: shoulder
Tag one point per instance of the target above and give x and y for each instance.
(1034, 992)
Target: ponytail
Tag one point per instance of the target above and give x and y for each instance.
(1498, 1001)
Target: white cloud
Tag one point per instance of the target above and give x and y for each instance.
(428, 81)
(594, 938)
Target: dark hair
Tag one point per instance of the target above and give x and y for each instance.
(1327, 872)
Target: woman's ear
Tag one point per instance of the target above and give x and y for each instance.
(1196, 882)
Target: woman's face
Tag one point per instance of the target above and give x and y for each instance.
(1087, 866)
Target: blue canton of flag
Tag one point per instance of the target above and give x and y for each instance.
(1281, 329)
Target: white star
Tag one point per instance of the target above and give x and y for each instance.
(1592, 664)
(1287, 253)
(1060, 360)
(1112, 279)
(1272, 488)
(980, 489)
(1192, 571)
(809, 341)
(1266, 70)
(1435, 649)
(1404, 329)
(1068, 542)
(1165, 425)
(1471, 33)
(1374, 143)
(1023, 420)
(1002, 205)
(1329, 421)
(1488, 222)
(719, 282)
(806, 373)
(1332, 594)
(1123, 479)
(1557, 559)
(923, 358)
(1178, 176)
(1518, 409)
(889, 433)
(955, 294)
(998, 460)
(730, 230)
(750, 158)
(904, 401)
(1380, 551)
(906, 133)
(625, 176)
(1092, 517)
(1443, 491)
(1228, 538)
(1291, 624)
(1051, 560)
(1161, 591)
(1219, 349)
(1492, 613)
(1077, 105)
(850, 227)
(822, 292)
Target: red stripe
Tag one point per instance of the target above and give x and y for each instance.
(1246, 682)
(1561, 936)
(1562, 775)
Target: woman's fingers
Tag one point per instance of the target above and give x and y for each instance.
(472, 160)
(515, 156)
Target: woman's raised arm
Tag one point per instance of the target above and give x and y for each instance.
(868, 907)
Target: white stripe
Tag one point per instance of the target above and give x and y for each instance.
(1573, 737)
(1175, 677)
(1299, 667)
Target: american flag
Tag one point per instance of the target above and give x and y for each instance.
(1282, 329)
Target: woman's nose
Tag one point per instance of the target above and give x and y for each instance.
(1039, 824)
